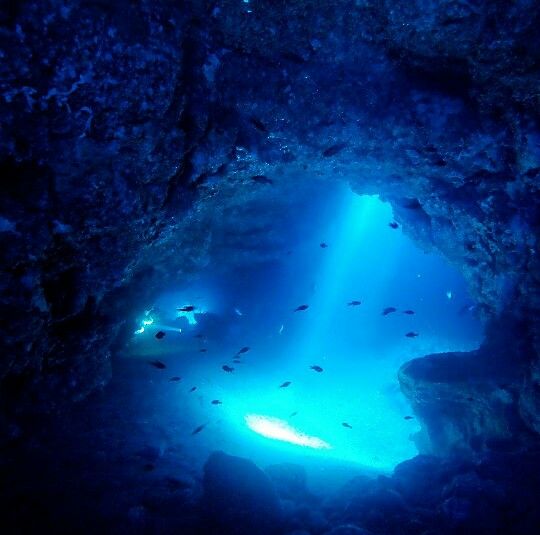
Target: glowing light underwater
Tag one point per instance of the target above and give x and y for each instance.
(277, 429)
(190, 316)
(149, 320)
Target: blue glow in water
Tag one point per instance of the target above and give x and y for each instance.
(277, 429)
(353, 410)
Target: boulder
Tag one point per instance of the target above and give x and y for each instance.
(289, 481)
(238, 498)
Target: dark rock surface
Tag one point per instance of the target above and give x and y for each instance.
(238, 498)
(289, 480)
(431, 495)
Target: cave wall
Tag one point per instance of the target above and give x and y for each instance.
(130, 128)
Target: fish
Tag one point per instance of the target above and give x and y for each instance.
(198, 429)
(293, 56)
(175, 379)
(411, 334)
(238, 312)
(323, 245)
(186, 308)
(192, 389)
(258, 124)
(410, 203)
(316, 368)
(227, 369)
(293, 414)
(237, 361)
(348, 426)
(354, 303)
(393, 225)
(262, 179)
(408, 417)
(449, 294)
(301, 307)
(148, 467)
(285, 384)
(409, 312)
(388, 310)
(216, 402)
(200, 335)
(160, 335)
(281, 328)
(334, 149)
(203, 350)
(245, 349)
(158, 364)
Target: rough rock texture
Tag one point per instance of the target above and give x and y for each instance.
(238, 498)
(494, 494)
(470, 401)
(130, 129)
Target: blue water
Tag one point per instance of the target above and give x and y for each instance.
(359, 349)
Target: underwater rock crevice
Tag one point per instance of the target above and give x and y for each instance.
(472, 402)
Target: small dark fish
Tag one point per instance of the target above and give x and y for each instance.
(148, 467)
(192, 389)
(285, 384)
(411, 334)
(175, 379)
(187, 308)
(301, 307)
(237, 361)
(388, 310)
(410, 203)
(293, 414)
(393, 225)
(316, 368)
(262, 179)
(216, 402)
(258, 124)
(227, 369)
(160, 335)
(334, 149)
(158, 364)
(348, 426)
(293, 56)
(198, 335)
(323, 245)
(198, 429)
(245, 349)
(470, 399)
(354, 303)
(410, 312)
(408, 417)
(203, 350)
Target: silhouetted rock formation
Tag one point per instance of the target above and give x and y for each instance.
(238, 498)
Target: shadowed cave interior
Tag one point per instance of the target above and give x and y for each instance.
(269, 267)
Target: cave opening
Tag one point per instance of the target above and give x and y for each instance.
(270, 267)
(251, 372)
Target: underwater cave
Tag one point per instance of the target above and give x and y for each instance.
(269, 267)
